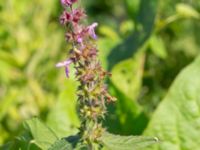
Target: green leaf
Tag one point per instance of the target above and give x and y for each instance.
(69, 143)
(63, 118)
(125, 116)
(126, 84)
(61, 145)
(126, 27)
(127, 76)
(22, 142)
(43, 136)
(176, 121)
(132, 7)
(158, 47)
(117, 142)
(136, 40)
(7, 102)
(107, 31)
(105, 45)
(187, 11)
(81, 146)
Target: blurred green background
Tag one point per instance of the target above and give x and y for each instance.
(144, 43)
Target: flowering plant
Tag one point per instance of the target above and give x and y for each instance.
(92, 92)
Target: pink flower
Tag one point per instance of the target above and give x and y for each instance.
(68, 2)
(78, 14)
(72, 17)
(91, 30)
(80, 32)
(65, 18)
(66, 65)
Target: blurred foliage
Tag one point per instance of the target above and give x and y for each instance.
(145, 44)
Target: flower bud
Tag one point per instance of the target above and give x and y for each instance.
(68, 2)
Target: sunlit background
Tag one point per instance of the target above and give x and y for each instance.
(144, 43)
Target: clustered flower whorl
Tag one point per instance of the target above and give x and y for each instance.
(92, 92)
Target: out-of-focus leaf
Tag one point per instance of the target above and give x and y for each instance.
(37, 91)
(63, 118)
(132, 7)
(126, 27)
(125, 116)
(126, 83)
(158, 47)
(43, 136)
(176, 121)
(105, 46)
(186, 11)
(117, 142)
(109, 32)
(127, 76)
(6, 103)
(8, 58)
(106, 43)
(145, 24)
(8, 72)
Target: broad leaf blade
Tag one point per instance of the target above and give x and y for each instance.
(117, 142)
(61, 145)
(70, 143)
(63, 119)
(176, 122)
(43, 136)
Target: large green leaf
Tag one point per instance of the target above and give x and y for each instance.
(61, 145)
(63, 118)
(176, 122)
(66, 144)
(43, 136)
(117, 142)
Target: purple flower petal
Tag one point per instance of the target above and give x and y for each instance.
(62, 2)
(67, 71)
(79, 39)
(91, 30)
(64, 63)
(68, 2)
